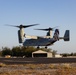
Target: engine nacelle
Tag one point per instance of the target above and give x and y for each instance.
(20, 36)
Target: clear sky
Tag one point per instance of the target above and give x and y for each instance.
(48, 13)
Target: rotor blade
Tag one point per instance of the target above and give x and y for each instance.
(41, 29)
(22, 26)
(55, 27)
(25, 26)
(47, 29)
(12, 25)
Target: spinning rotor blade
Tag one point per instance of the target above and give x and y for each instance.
(11, 25)
(22, 26)
(48, 29)
(55, 27)
(25, 26)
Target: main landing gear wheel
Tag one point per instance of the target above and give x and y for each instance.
(45, 47)
(38, 47)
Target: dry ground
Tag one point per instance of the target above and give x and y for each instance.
(38, 69)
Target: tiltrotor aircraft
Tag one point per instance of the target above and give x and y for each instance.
(40, 40)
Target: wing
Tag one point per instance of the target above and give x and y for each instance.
(36, 37)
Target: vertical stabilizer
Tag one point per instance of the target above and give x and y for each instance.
(56, 34)
(66, 35)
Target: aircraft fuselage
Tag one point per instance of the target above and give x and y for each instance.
(39, 42)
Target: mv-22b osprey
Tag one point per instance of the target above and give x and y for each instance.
(40, 40)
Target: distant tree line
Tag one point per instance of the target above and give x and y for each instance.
(27, 51)
(68, 54)
(19, 51)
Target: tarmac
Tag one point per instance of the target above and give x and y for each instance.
(36, 60)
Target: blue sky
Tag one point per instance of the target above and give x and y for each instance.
(48, 13)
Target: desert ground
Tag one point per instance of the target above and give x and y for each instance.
(38, 69)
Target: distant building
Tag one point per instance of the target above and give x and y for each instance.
(41, 53)
(58, 55)
(7, 56)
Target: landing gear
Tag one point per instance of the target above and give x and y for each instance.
(38, 47)
(45, 47)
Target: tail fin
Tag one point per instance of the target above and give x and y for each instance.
(66, 35)
(56, 34)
